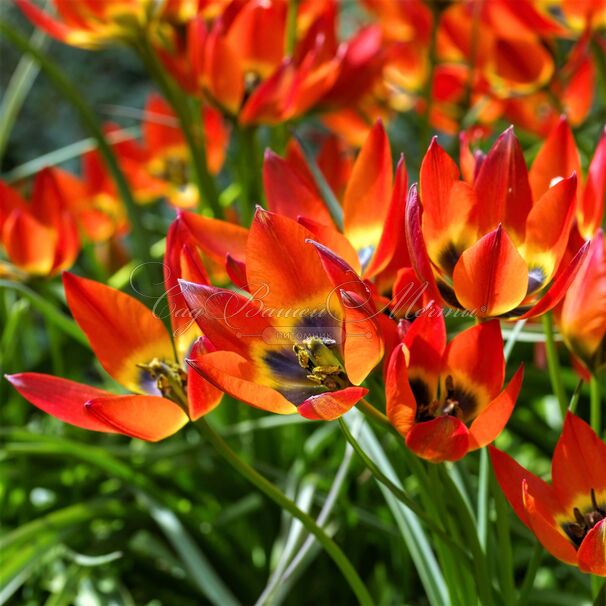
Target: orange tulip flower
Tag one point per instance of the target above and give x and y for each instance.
(306, 337)
(134, 347)
(446, 399)
(255, 78)
(489, 246)
(160, 166)
(40, 238)
(97, 23)
(582, 318)
(568, 516)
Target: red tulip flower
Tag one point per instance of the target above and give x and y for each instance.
(489, 246)
(134, 347)
(447, 399)
(40, 237)
(304, 339)
(568, 516)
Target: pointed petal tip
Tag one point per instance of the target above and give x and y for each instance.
(269, 154)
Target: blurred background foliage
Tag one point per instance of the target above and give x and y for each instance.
(92, 519)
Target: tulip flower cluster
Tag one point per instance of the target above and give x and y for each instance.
(413, 301)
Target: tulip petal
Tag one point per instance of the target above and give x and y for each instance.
(400, 402)
(288, 194)
(61, 398)
(240, 378)
(474, 359)
(279, 260)
(368, 193)
(228, 319)
(557, 158)
(29, 244)
(576, 467)
(332, 404)
(502, 187)
(558, 288)
(425, 341)
(416, 244)
(45, 22)
(591, 556)
(547, 230)
(363, 347)
(441, 439)
(217, 238)
(333, 239)
(591, 205)
(122, 331)
(202, 396)
(550, 535)
(149, 418)
(491, 278)
(583, 314)
(491, 421)
(392, 246)
(511, 477)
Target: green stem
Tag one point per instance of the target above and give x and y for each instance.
(265, 486)
(290, 40)
(553, 364)
(427, 91)
(89, 120)
(400, 494)
(374, 413)
(483, 497)
(249, 168)
(596, 405)
(205, 183)
(574, 401)
(16, 92)
(468, 525)
(505, 567)
(531, 573)
(49, 311)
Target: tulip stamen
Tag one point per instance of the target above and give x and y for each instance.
(450, 405)
(317, 356)
(584, 522)
(171, 379)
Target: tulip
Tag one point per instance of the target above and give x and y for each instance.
(582, 319)
(447, 399)
(40, 238)
(568, 516)
(305, 337)
(490, 246)
(93, 25)
(134, 347)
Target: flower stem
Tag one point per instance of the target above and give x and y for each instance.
(89, 120)
(400, 494)
(531, 573)
(249, 167)
(553, 364)
(276, 495)
(374, 413)
(596, 405)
